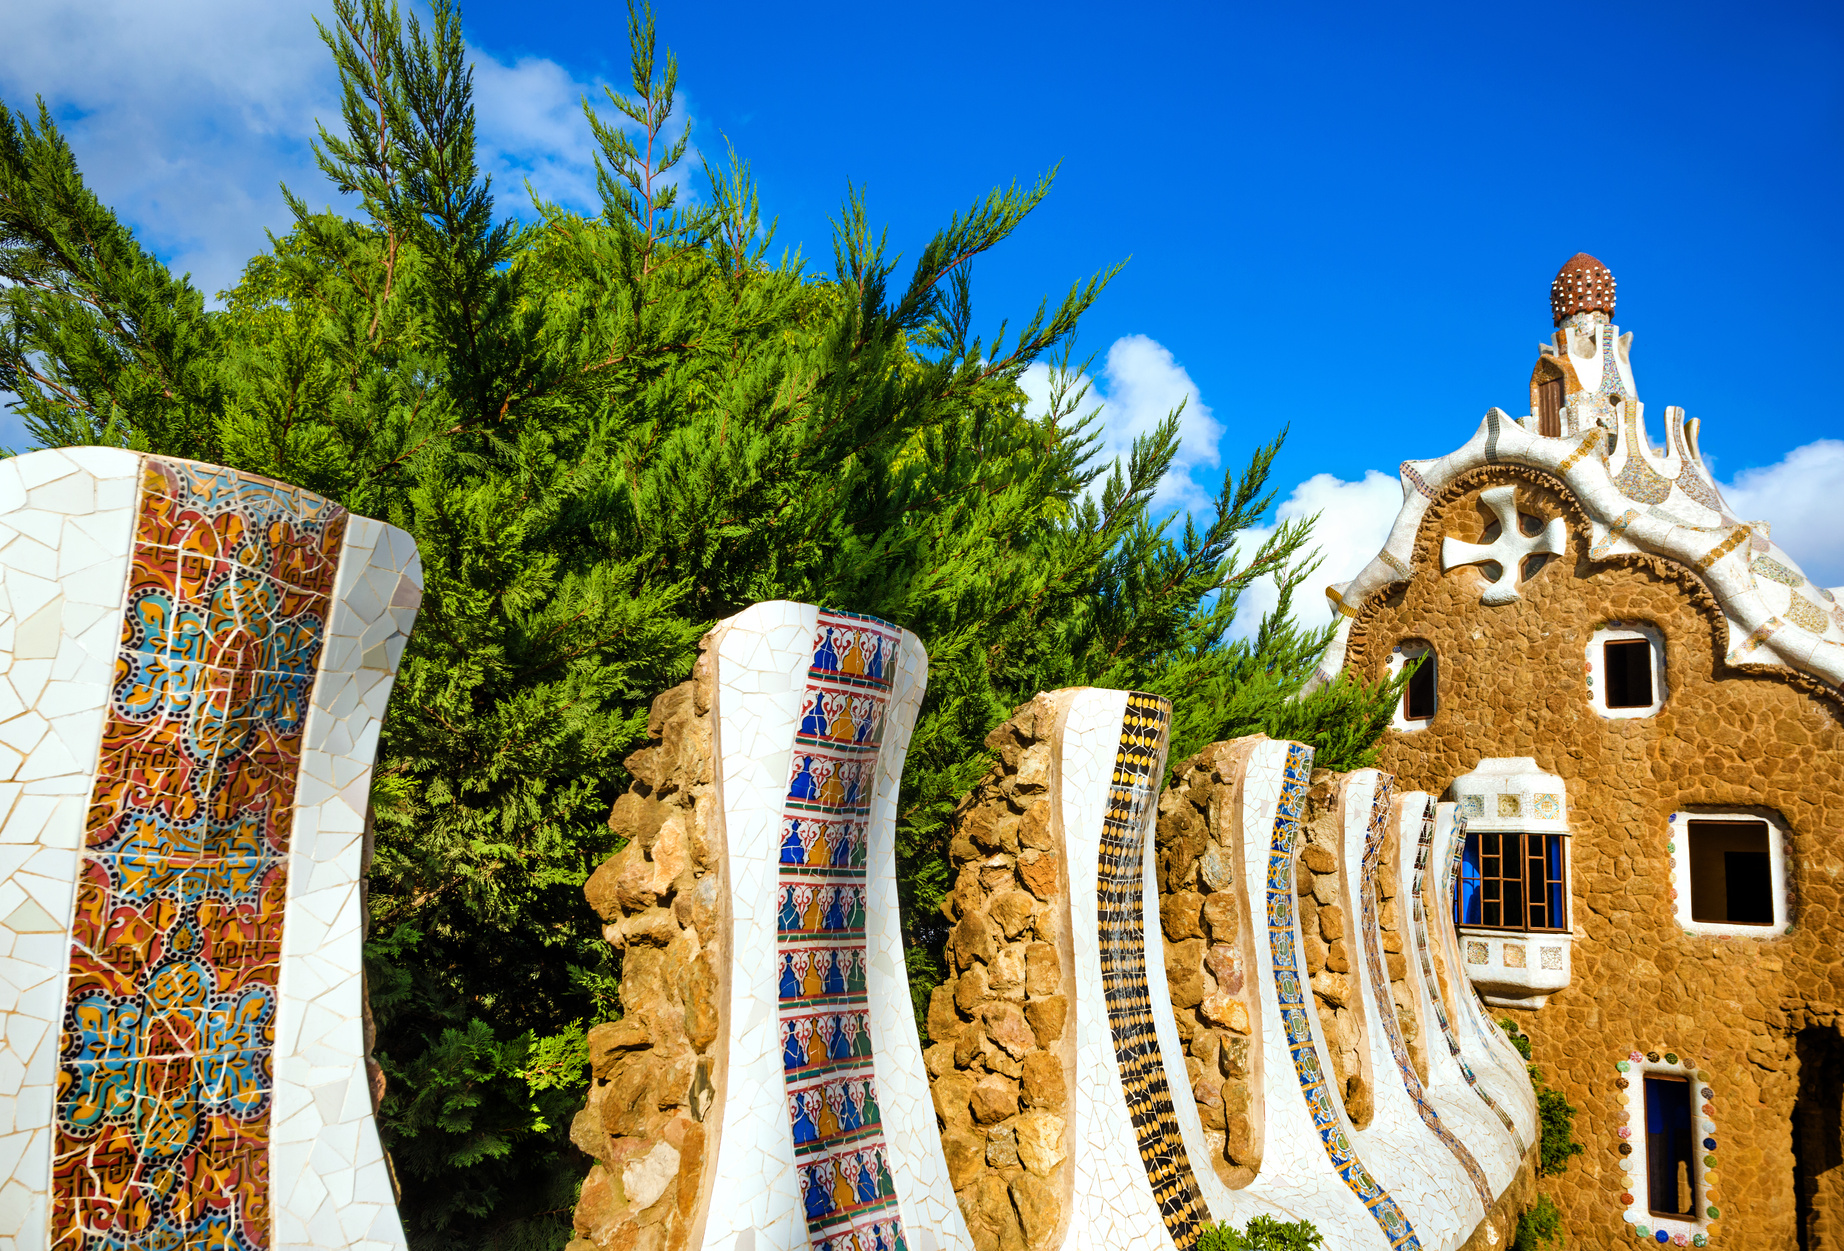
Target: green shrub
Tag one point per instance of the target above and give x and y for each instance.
(1556, 1143)
(1263, 1233)
(1538, 1227)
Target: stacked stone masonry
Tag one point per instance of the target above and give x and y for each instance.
(1000, 1060)
(654, 1071)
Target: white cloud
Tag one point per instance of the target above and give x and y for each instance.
(1140, 383)
(1354, 522)
(184, 117)
(187, 115)
(1800, 496)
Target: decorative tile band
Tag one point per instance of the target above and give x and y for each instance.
(1379, 978)
(1139, 769)
(1289, 985)
(834, 1112)
(1589, 442)
(1736, 538)
(167, 1051)
(1462, 985)
(1415, 480)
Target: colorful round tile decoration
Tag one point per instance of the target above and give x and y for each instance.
(1662, 1236)
(1623, 1066)
(1670, 1058)
(1709, 1144)
(1713, 1213)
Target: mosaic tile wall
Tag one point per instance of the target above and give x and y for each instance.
(825, 1133)
(225, 729)
(847, 1192)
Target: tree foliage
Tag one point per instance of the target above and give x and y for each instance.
(606, 432)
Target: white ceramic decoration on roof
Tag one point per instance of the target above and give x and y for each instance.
(1587, 429)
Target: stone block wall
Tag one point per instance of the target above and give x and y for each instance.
(1000, 1059)
(1209, 927)
(658, 1071)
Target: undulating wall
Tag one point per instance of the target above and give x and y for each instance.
(194, 667)
(1732, 1010)
(1096, 1075)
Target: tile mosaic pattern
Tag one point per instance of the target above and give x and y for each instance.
(199, 784)
(848, 1194)
(1292, 994)
(765, 678)
(1377, 827)
(167, 1057)
(1133, 795)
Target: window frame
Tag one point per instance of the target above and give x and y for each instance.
(1678, 844)
(1399, 658)
(1634, 1070)
(1595, 667)
(1557, 886)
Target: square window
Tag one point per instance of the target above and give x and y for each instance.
(1628, 666)
(1510, 881)
(1731, 878)
(1625, 668)
(1729, 869)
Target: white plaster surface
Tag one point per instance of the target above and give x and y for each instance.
(1113, 1201)
(1296, 1174)
(1453, 1096)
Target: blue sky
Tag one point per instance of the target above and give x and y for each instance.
(1343, 218)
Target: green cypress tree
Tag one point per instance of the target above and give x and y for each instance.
(606, 433)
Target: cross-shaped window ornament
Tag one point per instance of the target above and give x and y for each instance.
(1509, 550)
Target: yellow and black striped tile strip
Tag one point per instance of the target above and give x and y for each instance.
(1133, 796)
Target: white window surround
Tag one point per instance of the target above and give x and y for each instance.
(1614, 632)
(1679, 846)
(1639, 1213)
(1404, 652)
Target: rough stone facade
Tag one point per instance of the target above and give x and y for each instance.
(1206, 916)
(655, 1100)
(1754, 1013)
(1001, 1061)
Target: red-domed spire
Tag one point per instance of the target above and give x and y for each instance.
(1584, 285)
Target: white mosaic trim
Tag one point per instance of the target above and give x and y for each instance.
(66, 533)
(1776, 616)
(1462, 1111)
(762, 658)
(763, 655)
(331, 1187)
(932, 1217)
(1296, 1175)
(1484, 1049)
(1406, 1157)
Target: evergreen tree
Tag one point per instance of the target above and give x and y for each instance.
(606, 433)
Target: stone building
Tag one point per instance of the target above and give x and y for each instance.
(1633, 697)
